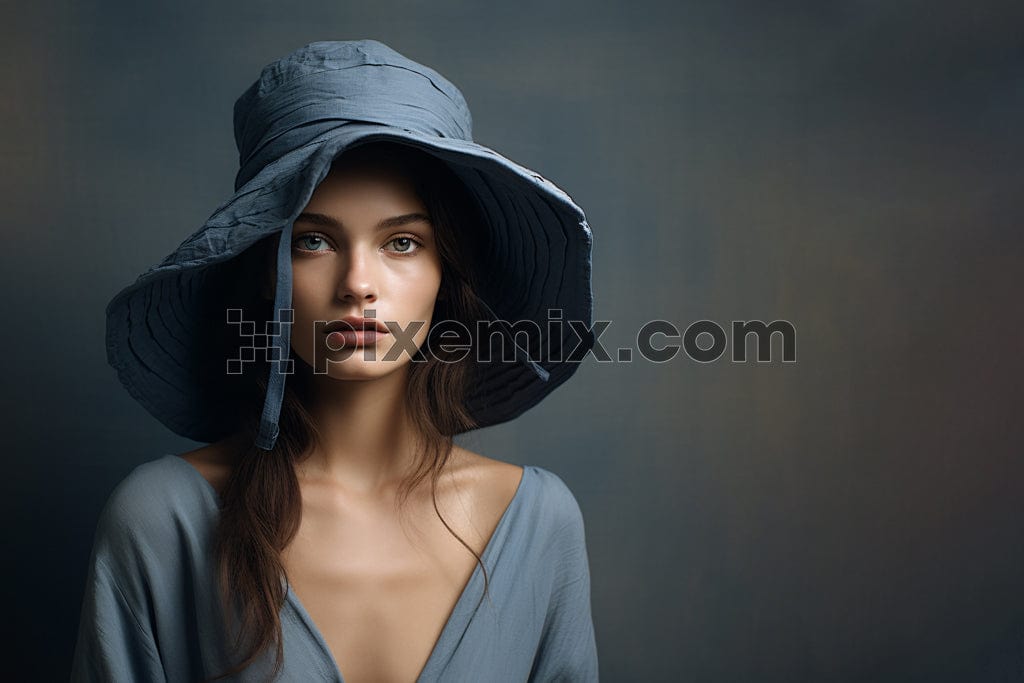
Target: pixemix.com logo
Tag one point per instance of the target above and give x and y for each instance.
(501, 341)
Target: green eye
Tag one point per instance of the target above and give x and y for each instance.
(404, 245)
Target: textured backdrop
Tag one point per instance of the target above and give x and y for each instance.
(851, 167)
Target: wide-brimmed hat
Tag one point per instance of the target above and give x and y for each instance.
(304, 111)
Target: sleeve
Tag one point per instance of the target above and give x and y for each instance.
(568, 651)
(114, 644)
(116, 640)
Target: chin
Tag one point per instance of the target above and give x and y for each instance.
(362, 370)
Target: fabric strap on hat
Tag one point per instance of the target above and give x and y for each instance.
(269, 427)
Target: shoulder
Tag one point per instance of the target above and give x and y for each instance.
(215, 461)
(147, 490)
(464, 461)
(491, 485)
(551, 508)
(148, 508)
(557, 504)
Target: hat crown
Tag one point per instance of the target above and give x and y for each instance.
(304, 95)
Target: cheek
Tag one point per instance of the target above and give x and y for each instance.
(300, 302)
(310, 283)
(307, 307)
(420, 301)
(429, 291)
(416, 286)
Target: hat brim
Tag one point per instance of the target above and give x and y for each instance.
(541, 246)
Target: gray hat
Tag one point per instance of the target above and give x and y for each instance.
(305, 110)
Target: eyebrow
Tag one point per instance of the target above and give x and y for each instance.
(393, 222)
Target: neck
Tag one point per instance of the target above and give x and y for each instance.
(367, 440)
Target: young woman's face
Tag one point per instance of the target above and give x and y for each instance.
(362, 247)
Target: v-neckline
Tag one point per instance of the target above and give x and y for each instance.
(314, 630)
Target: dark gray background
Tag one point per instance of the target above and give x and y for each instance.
(852, 167)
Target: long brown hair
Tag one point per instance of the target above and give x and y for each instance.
(261, 501)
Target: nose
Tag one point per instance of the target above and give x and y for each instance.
(357, 282)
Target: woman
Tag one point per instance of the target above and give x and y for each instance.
(332, 530)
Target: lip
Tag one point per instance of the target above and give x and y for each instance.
(344, 339)
(352, 322)
(353, 331)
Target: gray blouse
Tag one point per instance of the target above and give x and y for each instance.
(151, 610)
